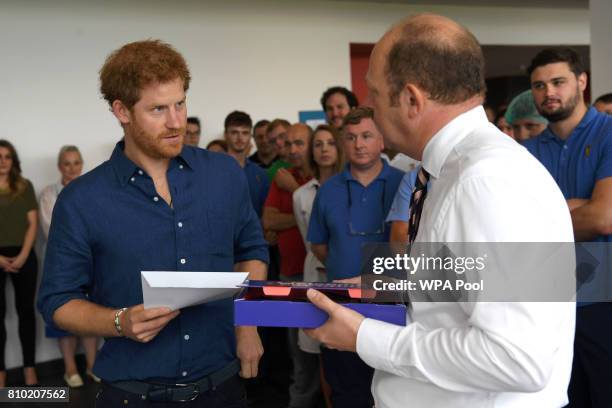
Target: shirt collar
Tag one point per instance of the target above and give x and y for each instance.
(383, 175)
(442, 143)
(187, 156)
(590, 114)
(549, 135)
(251, 163)
(298, 176)
(125, 168)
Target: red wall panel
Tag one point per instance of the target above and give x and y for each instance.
(360, 58)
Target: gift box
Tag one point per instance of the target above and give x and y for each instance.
(285, 304)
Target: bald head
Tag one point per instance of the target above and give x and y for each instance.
(424, 72)
(296, 145)
(436, 54)
(301, 128)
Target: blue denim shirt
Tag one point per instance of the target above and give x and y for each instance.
(110, 224)
(259, 184)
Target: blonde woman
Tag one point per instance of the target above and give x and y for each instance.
(325, 159)
(70, 165)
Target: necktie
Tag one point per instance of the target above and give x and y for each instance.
(416, 203)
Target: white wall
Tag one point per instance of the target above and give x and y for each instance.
(601, 47)
(270, 58)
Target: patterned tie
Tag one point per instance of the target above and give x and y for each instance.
(416, 203)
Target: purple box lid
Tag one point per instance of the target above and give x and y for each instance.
(284, 313)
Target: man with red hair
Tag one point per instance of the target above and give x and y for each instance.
(156, 204)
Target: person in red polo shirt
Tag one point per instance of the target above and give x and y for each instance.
(278, 216)
(278, 209)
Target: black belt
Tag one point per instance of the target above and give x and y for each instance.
(178, 392)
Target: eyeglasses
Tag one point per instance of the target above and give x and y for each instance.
(374, 229)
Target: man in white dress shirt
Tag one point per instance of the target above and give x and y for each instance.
(426, 82)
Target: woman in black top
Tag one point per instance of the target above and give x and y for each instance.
(18, 223)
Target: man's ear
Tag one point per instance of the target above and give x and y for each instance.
(412, 100)
(582, 81)
(121, 112)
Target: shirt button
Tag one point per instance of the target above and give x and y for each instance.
(186, 337)
(180, 224)
(156, 199)
(184, 373)
(183, 261)
(140, 172)
(132, 179)
(565, 146)
(180, 166)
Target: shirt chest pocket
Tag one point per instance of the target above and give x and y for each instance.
(220, 239)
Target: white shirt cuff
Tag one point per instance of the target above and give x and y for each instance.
(374, 340)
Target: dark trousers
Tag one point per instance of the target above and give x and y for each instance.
(229, 394)
(349, 378)
(24, 284)
(591, 382)
(305, 389)
(270, 358)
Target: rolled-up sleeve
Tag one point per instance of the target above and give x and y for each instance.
(68, 262)
(400, 207)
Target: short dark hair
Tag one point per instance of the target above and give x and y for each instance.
(450, 69)
(238, 118)
(261, 123)
(276, 123)
(551, 55)
(499, 115)
(356, 115)
(195, 120)
(219, 142)
(605, 98)
(352, 100)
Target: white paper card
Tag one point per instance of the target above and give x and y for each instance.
(181, 289)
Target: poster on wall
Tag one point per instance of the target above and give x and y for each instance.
(312, 118)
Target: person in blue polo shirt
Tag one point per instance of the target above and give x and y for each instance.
(349, 211)
(576, 148)
(399, 213)
(238, 126)
(154, 205)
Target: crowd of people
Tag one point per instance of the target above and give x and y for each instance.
(20, 217)
(304, 203)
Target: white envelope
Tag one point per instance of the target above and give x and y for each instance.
(181, 289)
